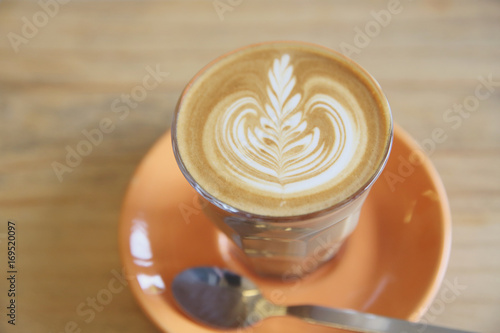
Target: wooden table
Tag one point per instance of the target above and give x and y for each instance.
(66, 68)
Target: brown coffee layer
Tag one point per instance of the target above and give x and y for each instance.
(282, 129)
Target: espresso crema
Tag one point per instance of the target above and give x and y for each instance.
(282, 129)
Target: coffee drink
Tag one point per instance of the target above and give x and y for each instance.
(282, 129)
(284, 141)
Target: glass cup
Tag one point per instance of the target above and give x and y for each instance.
(287, 246)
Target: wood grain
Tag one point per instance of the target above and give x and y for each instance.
(66, 77)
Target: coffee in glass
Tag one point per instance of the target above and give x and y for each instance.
(283, 140)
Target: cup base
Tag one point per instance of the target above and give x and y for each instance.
(277, 268)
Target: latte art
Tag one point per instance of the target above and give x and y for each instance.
(273, 146)
(281, 129)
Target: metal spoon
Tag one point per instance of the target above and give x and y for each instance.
(223, 299)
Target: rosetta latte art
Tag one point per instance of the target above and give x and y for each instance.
(276, 147)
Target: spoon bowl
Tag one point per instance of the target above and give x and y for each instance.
(232, 300)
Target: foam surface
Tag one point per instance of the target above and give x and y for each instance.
(282, 129)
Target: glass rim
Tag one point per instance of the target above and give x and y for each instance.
(290, 218)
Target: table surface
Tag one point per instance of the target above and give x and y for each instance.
(65, 67)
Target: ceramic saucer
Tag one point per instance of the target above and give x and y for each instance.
(391, 265)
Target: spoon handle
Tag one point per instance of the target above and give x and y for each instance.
(362, 322)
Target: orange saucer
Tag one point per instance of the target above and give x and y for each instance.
(391, 265)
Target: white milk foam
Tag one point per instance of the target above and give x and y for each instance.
(282, 152)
